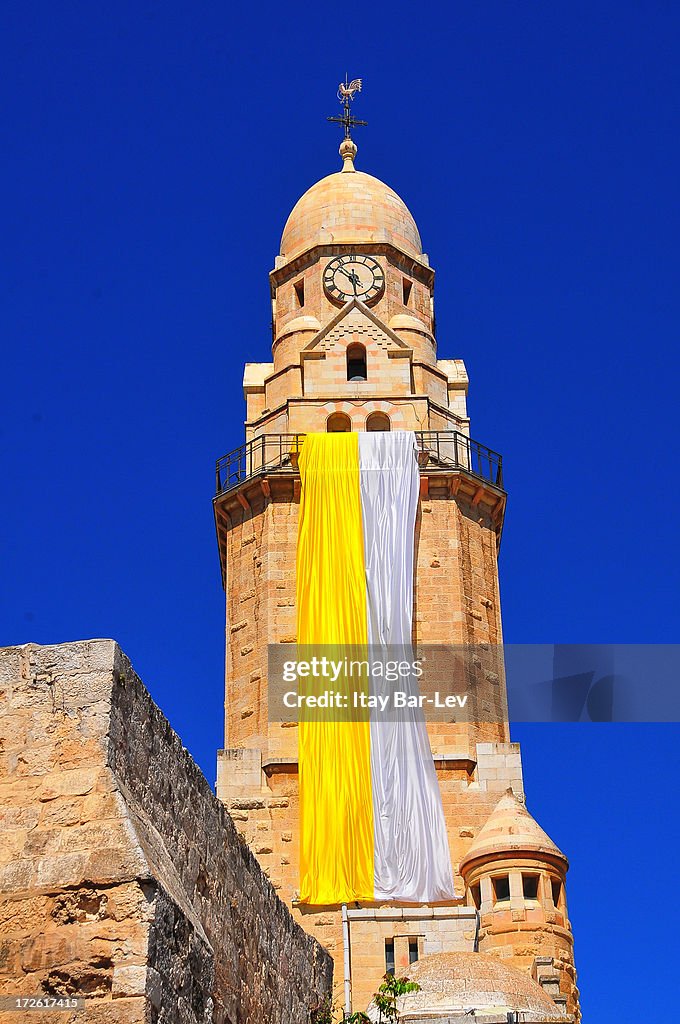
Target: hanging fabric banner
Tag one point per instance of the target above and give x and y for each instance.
(371, 817)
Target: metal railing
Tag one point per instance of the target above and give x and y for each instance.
(440, 450)
(263, 454)
(449, 449)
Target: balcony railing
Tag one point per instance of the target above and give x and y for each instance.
(439, 450)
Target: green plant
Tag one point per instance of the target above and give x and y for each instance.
(389, 992)
(323, 1013)
(385, 1001)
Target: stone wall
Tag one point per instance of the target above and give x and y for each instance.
(122, 878)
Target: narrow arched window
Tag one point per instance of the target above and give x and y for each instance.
(356, 362)
(378, 421)
(338, 423)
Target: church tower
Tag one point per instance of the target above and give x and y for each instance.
(354, 348)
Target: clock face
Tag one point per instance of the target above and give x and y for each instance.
(348, 276)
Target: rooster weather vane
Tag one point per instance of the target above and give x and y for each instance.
(346, 91)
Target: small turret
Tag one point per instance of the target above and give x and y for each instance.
(515, 875)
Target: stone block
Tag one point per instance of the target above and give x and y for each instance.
(129, 980)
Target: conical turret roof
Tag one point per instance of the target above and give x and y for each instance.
(511, 829)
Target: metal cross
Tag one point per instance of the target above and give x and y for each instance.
(346, 91)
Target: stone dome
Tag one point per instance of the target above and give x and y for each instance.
(406, 322)
(349, 207)
(454, 983)
(510, 829)
(299, 324)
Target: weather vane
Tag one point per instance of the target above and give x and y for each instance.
(346, 91)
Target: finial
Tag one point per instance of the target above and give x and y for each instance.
(348, 150)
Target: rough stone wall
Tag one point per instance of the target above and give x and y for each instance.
(457, 591)
(122, 877)
(260, 602)
(248, 603)
(457, 602)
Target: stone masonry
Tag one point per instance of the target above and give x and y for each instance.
(122, 877)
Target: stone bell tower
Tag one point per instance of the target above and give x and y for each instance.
(354, 348)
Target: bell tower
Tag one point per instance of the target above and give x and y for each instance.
(354, 348)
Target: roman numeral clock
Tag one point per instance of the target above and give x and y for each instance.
(353, 276)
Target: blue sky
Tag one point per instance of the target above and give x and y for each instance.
(151, 155)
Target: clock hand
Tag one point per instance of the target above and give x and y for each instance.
(353, 277)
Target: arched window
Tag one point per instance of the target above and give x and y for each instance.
(356, 362)
(378, 421)
(338, 423)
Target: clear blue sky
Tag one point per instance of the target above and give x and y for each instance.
(151, 153)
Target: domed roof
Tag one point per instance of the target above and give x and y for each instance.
(406, 322)
(454, 983)
(511, 829)
(349, 206)
(299, 324)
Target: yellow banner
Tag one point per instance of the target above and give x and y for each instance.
(336, 800)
